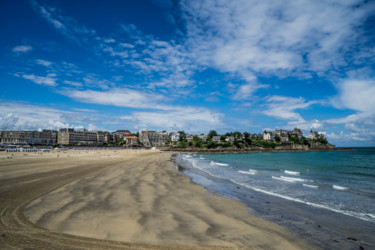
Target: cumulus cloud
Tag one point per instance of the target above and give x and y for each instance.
(245, 91)
(22, 49)
(17, 116)
(356, 95)
(283, 38)
(267, 36)
(73, 83)
(43, 62)
(167, 63)
(188, 119)
(120, 97)
(49, 80)
(281, 107)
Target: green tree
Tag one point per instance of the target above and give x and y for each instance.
(322, 139)
(227, 144)
(237, 144)
(182, 144)
(277, 138)
(211, 144)
(237, 134)
(295, 139)
(120, 142)
(182, 135)
(248, 140)
(196, 142)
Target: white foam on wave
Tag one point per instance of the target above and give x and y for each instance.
(310, 186)
(289, 179)
(362, 216)
(291, 172)
(252, 172)
(281, 179)
(201, 168)
(219, 164)
(339, 187)
(202, 158)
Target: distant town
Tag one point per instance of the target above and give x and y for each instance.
(70, 137)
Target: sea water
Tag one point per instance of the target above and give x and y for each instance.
(340, 181)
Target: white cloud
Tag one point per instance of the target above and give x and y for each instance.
(43, 62)
(281, 107)
(356, 95)
(22, 49)
(91, 80)
(283, 38)
(167, 64)
(62, 23)
(245, 91)
(49, 80)
(17, 116)
(189, 119)
(121, 98)
(72, 83)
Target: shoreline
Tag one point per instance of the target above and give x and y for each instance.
(138, 198)
(321, 227)
(251, 150)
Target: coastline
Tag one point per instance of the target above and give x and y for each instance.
(250, 150)
(321, 227)
(137, 198)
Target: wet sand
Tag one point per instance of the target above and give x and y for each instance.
(128, 199)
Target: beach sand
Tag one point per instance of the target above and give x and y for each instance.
(133, 196)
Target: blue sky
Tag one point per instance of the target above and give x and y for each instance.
(190, 65)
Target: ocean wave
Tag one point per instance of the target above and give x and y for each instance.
(219, 164)
(291, 172)
(362, 216)
(289, 179)
(310, 186)
(339, 187)
(202, 167)
(252, 172)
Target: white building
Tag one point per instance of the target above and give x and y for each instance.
(314, 135)
(69, 136)
(153, 138)
(175, 136)
(268, 136)
(202, 137)
(229, 138)
(216, 138)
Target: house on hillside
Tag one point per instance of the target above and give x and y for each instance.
(297, 132)
(132, 141)
(174, 136)
(268, 136)
(216, 138)
(314, 135)
(284, 137)
(190, 137)
(229, 138)
(153, 138)
(283, 134)
(202, 137)
(125, 135)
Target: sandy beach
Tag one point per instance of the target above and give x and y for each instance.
(121, 199)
